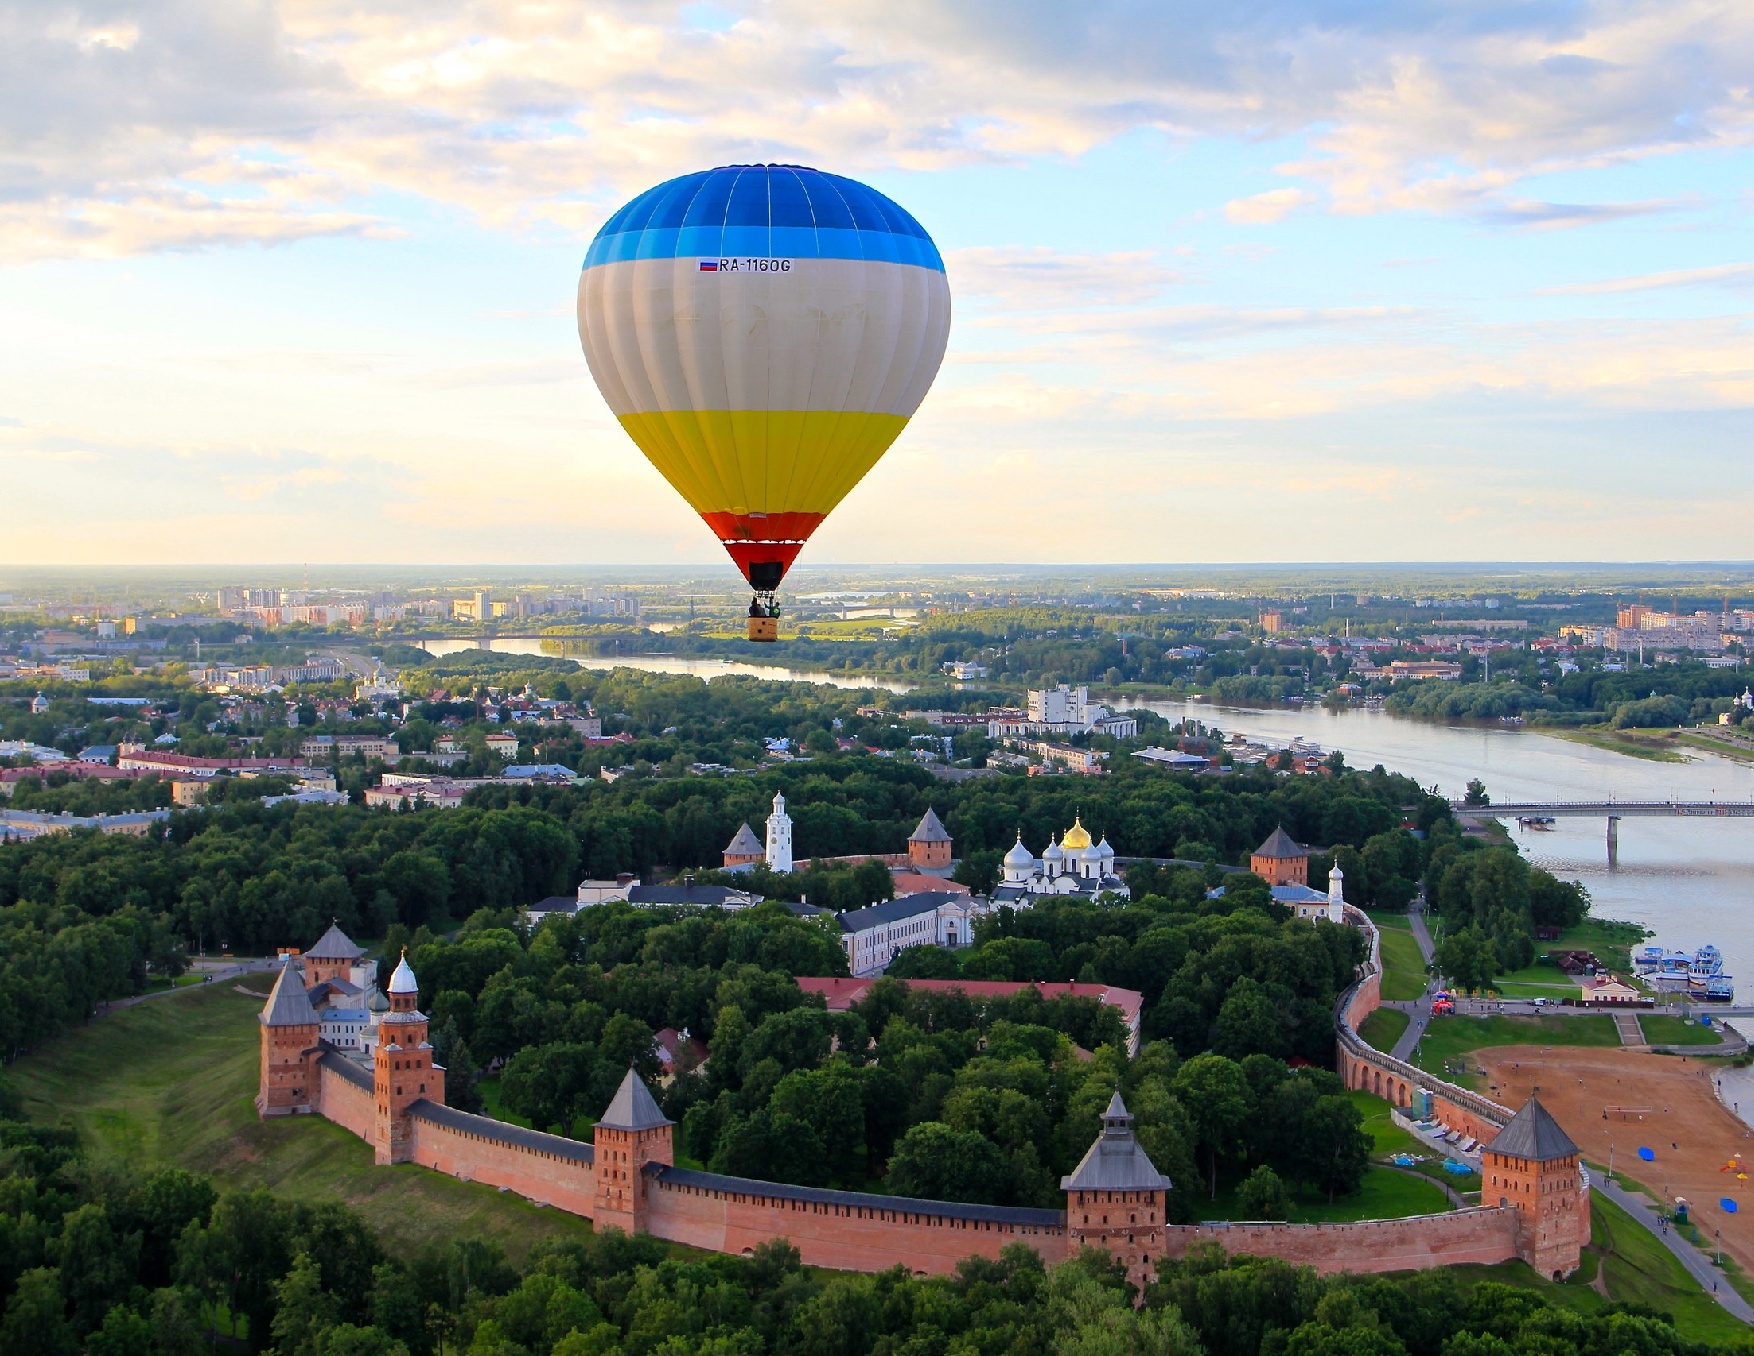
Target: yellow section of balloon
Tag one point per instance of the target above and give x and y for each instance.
(763, 461)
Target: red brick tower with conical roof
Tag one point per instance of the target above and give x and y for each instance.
(1116, 1198)
(1531, 1166)
(287, 1085)
(929, 846)
(632, 1133)
(331, 958)
(402, 1069)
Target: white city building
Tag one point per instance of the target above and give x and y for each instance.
(872, 936)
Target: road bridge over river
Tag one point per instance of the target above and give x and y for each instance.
(1611, 810)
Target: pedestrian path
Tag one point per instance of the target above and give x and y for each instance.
(1631, 1033)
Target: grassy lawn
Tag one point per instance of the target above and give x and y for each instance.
(1383, 1028)
(1386, 1137)
(1403, 968)
(1450, 1038)
(1386, 1194)
(172, 1082)
(1660, 1030)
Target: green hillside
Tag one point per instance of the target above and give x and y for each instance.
(171, 1081)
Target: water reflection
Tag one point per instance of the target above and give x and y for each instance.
(699, 668)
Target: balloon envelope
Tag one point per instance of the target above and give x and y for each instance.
(763, 333)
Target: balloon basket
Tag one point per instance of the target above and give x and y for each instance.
(764, 628)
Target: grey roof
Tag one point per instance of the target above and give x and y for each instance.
(1115, 1162)
(632, 1107)
(998, 1214)
(1280, 845)
(708, 895)
(804, 910)
(488, 1128)
(335, 945)
(892, 909)
(288, 1004)
(1533, 1135)
(556, 904)
(744, 843)
(350, 1069)
(931, 829)
(1297, 894)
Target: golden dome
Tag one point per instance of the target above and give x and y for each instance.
(1077, 837)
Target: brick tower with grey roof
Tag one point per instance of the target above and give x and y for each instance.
(928, 847)
(287, 1085)
(1531, 1166)
(333, 957)
(631, 1134)
(1280, 861)
(744, 849)
(1116, 1198)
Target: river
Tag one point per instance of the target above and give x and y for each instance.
(1690, 880)
(699, 668)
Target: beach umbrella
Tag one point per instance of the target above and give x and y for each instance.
(763, 333)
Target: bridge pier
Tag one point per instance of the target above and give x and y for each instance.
(1613, 841)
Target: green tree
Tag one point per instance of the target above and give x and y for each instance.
(1263, 1196)
(1217, 1097)
(303, 1311)
(1476, 793)
(35, 1318)
(934, 1162)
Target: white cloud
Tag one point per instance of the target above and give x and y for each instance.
(1727, 274)
(1266, 208)
(119, 117)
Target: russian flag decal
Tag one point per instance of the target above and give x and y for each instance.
(709, 265)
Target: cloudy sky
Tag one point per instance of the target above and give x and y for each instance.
(1335, 280)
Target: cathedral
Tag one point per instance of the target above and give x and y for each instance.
(1073, 865)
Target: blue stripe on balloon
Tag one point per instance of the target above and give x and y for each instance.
(764, 212)
(762, 242)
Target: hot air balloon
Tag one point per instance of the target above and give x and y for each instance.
(763, 333)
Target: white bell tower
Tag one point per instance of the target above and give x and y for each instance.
(779, 836)
(1336, 895)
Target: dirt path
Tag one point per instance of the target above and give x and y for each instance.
(1692, 1134)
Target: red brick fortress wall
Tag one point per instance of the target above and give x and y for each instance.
(347, 1104)
(560, 1174)
(844, 1236)
(1479, 1236)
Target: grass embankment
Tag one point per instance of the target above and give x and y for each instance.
(1637, 743)
(1383, 1028)
(1637, 1268)
(1403, 967)
(1723, 745)
(1623, 1263)
(1449, 1040)
(172, 1082)
(1659, 1030)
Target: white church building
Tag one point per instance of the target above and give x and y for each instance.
(1071, 865)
